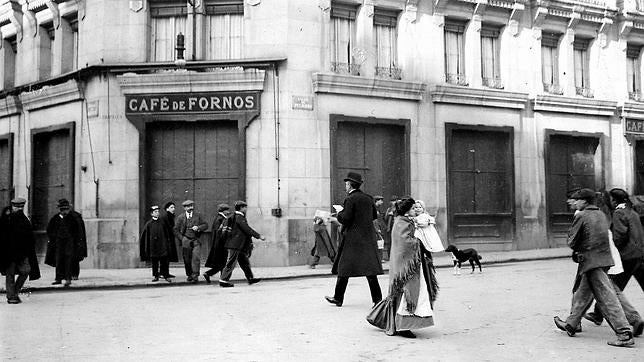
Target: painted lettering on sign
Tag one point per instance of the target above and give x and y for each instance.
(191, 103)
(634, 126)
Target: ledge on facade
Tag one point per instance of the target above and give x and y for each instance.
(51, 95)
(178, 81)
(367, 87)
(9, 106)
(447, 93)
(632, 110)
(550, 103)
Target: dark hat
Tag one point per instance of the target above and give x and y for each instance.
(18, 202)
(154, 207)
(583, 194)
(378, 197)
(168, 204)
(187, 203)
(572, 191)
(63, 204)
(354, 176)
(222, 207)
(240, 203)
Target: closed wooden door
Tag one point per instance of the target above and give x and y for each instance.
(6, 170)
(52, 178)
(481, 187)
(639, 167)
(377, 152)
(571, 164)
(197, 161)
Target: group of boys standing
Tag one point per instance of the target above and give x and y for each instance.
(160, 233)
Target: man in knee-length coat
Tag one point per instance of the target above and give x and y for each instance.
(358, 250)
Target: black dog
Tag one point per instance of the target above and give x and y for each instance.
(460, 256)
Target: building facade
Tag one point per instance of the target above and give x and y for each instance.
(487, 110)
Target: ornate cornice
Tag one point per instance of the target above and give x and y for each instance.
(233, 79)
(51, 95)
(367, 87)
(9, 106)
(447, 93)
(633, 110)
(549, 103)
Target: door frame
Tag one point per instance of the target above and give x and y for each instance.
(335, 119)
(633, 148)
(449, 130)
(70, 127)
(9, 137)
(546, 150)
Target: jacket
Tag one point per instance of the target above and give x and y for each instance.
(628, 233)
(183, 228)
(218, 254)
(242, 234)
(588, 237)
(17, 242)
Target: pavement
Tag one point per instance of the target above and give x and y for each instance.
(142, 277)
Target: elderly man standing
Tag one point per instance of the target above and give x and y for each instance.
(66, 240)
(188, 228)
(588, 238)
(358, 250)
(17, 250)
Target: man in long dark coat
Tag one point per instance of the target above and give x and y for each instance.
(156, 245)
(168, 220)
(218, 253)
(17, 250)
(358, 251)
(66, 242)
(240, 246)
(82, 246)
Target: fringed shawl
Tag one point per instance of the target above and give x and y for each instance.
(405, 263)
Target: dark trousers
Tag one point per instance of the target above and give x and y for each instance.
(192, 259)
(234, 257)
(13, 284)
(632, 268)
(64, 266)
(374, 287)
(165, 267)
(75, 268)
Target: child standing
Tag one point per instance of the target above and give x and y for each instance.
(155, 245)
(323, 245)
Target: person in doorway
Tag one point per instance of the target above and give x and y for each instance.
(358, 250)
(17, 250)
(168, 218)
(188, 228)
(155, 245)
(323, 245)
(66, 244)
(390, 215)
(240, 247)
(218, 254)
(588, 238)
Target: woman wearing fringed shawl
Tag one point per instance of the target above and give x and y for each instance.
(412, 280)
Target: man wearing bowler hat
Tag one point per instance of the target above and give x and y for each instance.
(187, 229)
(17, 250)
(66, 241)
(358, 250)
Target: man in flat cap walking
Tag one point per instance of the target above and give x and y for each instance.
(66, 240)
(188, 228)
(358, 250)
(17, 250)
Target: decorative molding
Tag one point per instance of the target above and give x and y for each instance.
(233, 79)
(633, 110)
(410, 14)
(31, 18)
(445, 93)
(253, 2)
(51, 95)
(515, 18)
(53, 7)
(10, 105)
(367, 87)
(550, 103)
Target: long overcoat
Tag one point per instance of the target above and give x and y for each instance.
(240, 236)
(168, 221)
(218, 253)
(17, 242)
(358, 250)
(76, 227)
(156, 241)
(588, 237)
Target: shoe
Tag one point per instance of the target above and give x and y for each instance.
(74, 278)
(156, 279)
(252, 281)
(56, 282)
(207, 277)
(312, 267)
(225, 284)
(332, 300)
(406, 334)
(638, 328)
(195, 279)
(169, 280)
(594, 318)
(189, 279)
(67, 283)
(14, 301)
(626, 342)
(565, 327)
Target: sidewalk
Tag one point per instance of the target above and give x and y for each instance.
(142, 277)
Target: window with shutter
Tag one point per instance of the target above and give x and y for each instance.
(581, 62)
(633, 74)
(455, 52)
(490, 57)
(550, 62)
(167, 20)
(385, 42)
(342, 38)
(225, 29)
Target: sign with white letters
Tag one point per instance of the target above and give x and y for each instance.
(182, 103)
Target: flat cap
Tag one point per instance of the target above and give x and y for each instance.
(378, 197)
(583, 194)
(222, 207)
(18, 201)
(63, 204)
(187, 203)
(154, 207)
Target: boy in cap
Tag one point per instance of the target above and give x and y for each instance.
(155, 245)
(188, 228)
(17, 250)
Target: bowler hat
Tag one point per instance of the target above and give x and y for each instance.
(583, 194)
(354, 176)
(18, 202)
(63, 204)
(187, 203)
